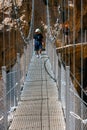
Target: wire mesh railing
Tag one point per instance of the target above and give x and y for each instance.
(12, 85)
(74, 106)
(14, 74)
(71, 61)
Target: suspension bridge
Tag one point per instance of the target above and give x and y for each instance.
(40, 93)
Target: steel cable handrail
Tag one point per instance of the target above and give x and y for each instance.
(78, 97)
(9, 91)
(48, 71)
(78, 83)
(74, 78)
(13, 82)
(26, 39)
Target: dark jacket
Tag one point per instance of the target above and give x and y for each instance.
(38, 38)
(66, 31)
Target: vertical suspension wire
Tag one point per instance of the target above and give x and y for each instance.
(9, 53)
(33, 5)
(63, 54)
(14, 82)
(65, 58)
(48, 22)
(62, 17)
(31, 22)
(4, 62)
(47, 14)
(17, 45)
(33, 16)
(82, 45)
(72, 98)
(74, 62)
(30, 38)
(74, 41)
(69, 34)
(31, 31)
(81, 60)
(49, 46)
(62, 21)
(30, 35)
(49, 35)
(32, 25)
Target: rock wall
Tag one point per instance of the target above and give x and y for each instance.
(10, 38)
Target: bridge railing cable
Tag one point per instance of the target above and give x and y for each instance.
(71, 90)
(14, 76)
(66, 86)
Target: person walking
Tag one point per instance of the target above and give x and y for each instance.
(66, 32)
(38, 39)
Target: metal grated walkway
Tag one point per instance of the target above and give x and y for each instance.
(39, 108)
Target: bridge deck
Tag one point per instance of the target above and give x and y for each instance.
(39, 108)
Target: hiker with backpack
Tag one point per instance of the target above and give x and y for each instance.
(38, 39)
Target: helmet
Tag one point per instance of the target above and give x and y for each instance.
(66, 25)
(37, 30)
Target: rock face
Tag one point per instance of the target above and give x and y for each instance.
(75, 14)
(10, 38)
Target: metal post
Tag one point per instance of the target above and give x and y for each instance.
(18, 75)
(24, 62)
(59, 75)
(4, 83)
(67, 96)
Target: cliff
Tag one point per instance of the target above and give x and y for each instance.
(10, 39)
